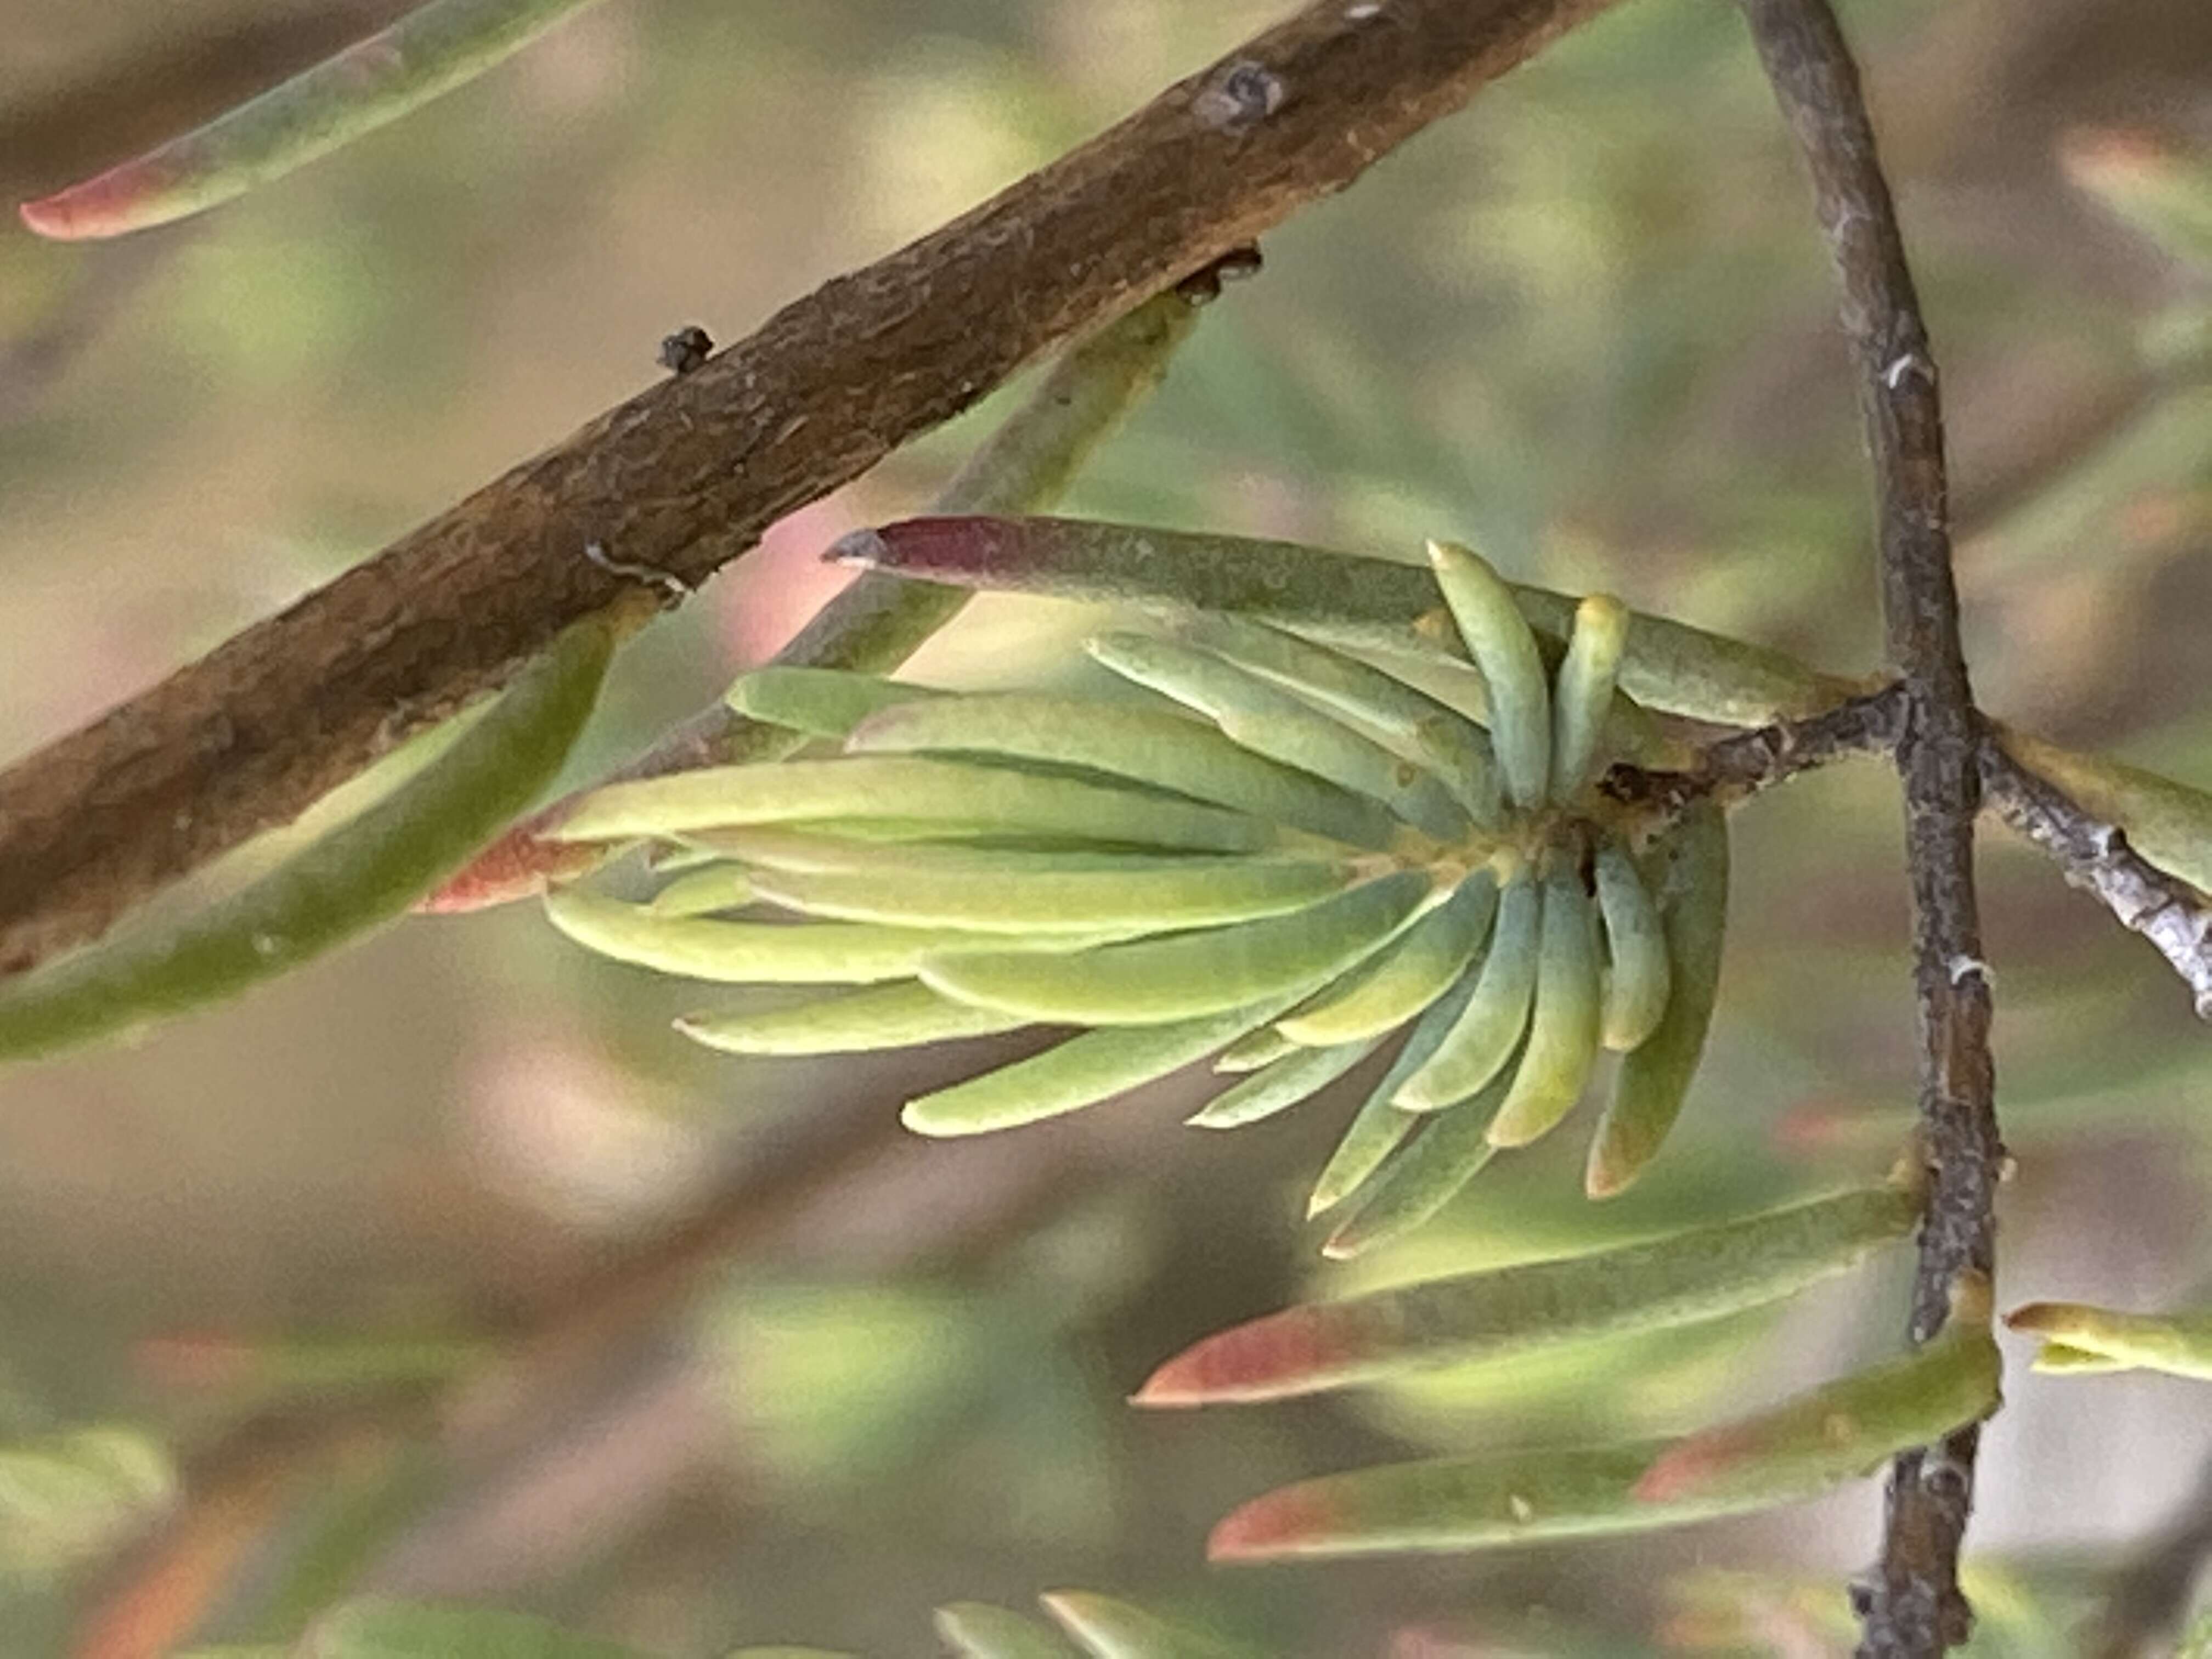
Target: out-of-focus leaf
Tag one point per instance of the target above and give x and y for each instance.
(1666, 665)
(2179, 1344)
(2156, 186)
(69, 1495)
(1793, 1451)
(309, 1364)
(406, 1630)
(432, 50)
(1112, 1629)
(364, 872)
(1700, 1275)
(974, 1630)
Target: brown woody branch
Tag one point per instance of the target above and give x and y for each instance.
(2092, 853)
(1910, 1603)
(684, 477)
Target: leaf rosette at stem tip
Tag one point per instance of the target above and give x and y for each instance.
(1260, 846)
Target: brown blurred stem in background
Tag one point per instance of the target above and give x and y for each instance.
(1911, 1605)
(687, 475)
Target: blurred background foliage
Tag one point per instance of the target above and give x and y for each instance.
(1587, 324)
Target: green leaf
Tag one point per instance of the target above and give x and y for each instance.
(1258, 717)
(1499, 639)
(1583, 696)
(752, 953)
(1563, 1032)
(404, 1630)
(1449, 1149)
(822, 702)
(1185, 974)
(974, 1630)
(1425, 962)
(1698, 1274)
(1810, 1443)
(2158, 187)
(897, 1015)
(1111, 1629)
(366, 872)
(430, 51)
(1250, 1052)
(1666, 665)
(908, 789)
(1080, 1071)
(66, 1496)
(1380, 1124)
(1147, 745)
(703, 891)
(1638, 976)
(1140, 896)
(1477, 1047)
(2178, 1344)
(1410, 723)
(1691, 879)
(1279, 1084)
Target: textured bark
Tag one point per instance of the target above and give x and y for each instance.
(683, 477)
(1911, 1604)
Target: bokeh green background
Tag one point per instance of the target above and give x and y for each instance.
(1587, 324)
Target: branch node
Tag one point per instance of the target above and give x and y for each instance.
(1241, 96)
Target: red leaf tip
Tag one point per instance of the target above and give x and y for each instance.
(1274, 1524)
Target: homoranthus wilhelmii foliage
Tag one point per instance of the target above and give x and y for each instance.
(1281, 855)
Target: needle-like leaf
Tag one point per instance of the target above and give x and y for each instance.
(430, 51)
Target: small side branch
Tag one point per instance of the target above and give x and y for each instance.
(1911, 1604)
(1734, 767)
(2096, 857)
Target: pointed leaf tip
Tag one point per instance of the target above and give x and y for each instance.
(1275, 1523)
(431, 50)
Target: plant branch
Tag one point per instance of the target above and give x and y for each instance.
(1911, 1604)
(686, 475)
(2096, 855)
(1733, 768)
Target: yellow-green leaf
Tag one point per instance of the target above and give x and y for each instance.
(366, 872)
(1702, 1274)
(897, 1015)
(1181, 976)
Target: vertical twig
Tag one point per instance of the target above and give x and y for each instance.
(1911, 1604)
